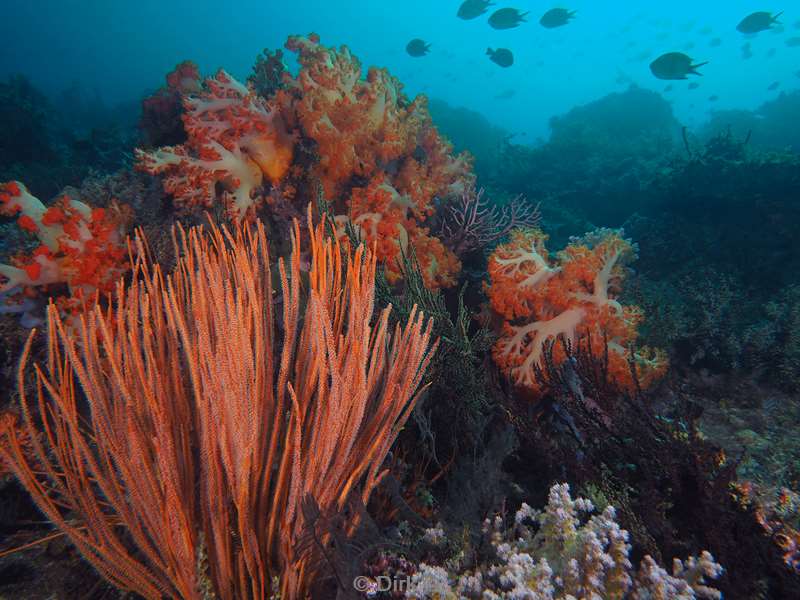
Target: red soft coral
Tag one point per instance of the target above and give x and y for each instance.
(573, 297)
(359, 125)
(81, 247)
(384, 218)
(367, 130)
(160, 122)
(234, 141)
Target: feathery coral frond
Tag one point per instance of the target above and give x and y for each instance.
(192, 420)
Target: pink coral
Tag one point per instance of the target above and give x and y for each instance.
(234, 141)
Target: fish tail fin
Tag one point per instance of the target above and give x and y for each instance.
(775, 18)
(693, 68)
(571, 14)
(523, 15)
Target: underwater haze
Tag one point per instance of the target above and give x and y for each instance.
(120, 48)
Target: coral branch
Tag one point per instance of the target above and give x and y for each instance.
(473, 223)
(203, 429)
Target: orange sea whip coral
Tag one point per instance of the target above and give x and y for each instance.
(185, 426)
(574, 298)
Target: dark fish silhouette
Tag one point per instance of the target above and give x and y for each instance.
(713, 98)
(556, 17)
(774, 86)
(472, 9)
(715, 42)
(506, 18)
(694, 85)
(746, 51)
(793, 42)
(668, 88)
(417, 47)
(674, 65)
(758, 21)
(501, 56)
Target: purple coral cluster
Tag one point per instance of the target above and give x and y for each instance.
(472, 222)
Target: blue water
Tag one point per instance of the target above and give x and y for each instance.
(121, 50)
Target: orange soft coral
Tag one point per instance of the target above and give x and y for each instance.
(359, 125)
(384, 218)
(234, 141)
(575, 297)
(81, 247)
(367, 130)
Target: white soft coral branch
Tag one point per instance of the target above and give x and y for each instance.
(528, 341)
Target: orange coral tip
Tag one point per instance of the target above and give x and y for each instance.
(28, 224)
(42, 251)
(53, 216)
(12, 187)
(33, 270)
(71, 229)
(98, 214)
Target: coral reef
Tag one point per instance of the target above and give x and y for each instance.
(234, 141)
(475, 224)
(361, 126)
(644, 454)
(771, 127)
(597, 165)
(574, 297)
(556, 553)
(239, 421)
(718, 264)
(268, 73)
(372, 153)
(381, 163)
(80, 246)
(152, 495)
